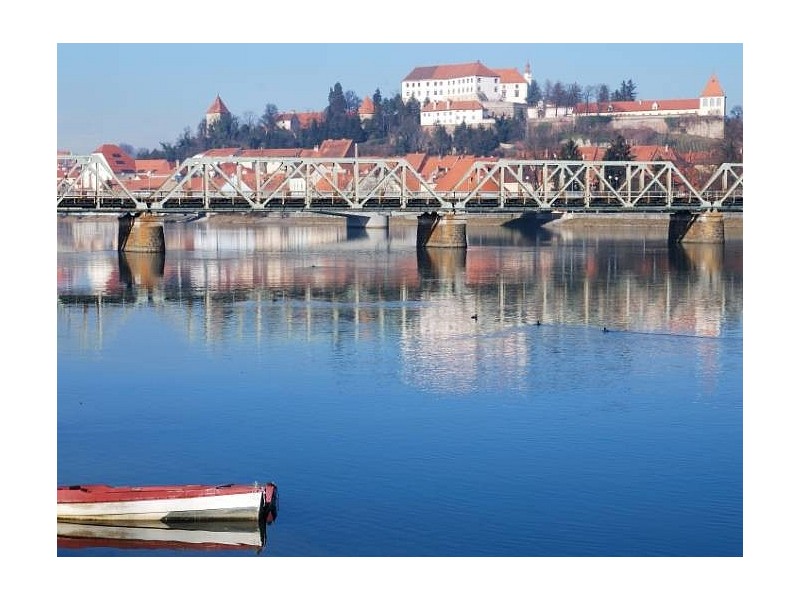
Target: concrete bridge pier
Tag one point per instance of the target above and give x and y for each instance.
(448, 230)
(141, 233)
(367, 220)
(688, 227)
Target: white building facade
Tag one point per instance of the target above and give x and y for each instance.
(469, 81)
(450, 113)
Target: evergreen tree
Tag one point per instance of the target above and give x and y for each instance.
(619, 150)
(630, 90)
(504, 128)
(559, 94)
(569, 151)
(335, 113)
(441, 142)
(269, 117)
(376, 127)
(625, 92)
(482, 141)
(461, 137)
(534, 94)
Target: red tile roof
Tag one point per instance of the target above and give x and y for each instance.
(449, 182)
(653, 153)
(367, 107)
(119, 160)
(221, 152)
(712, 89)
(591, 152)
(217, 107)
(416, 160)
(510, 76)
(154, 166)
(148, 183)
(436, 166)
(698, 157)
(305, 118)
(451, 105)
(271, 152)
(331, 149)
(608, 108)
(338, 179)
(474, 69)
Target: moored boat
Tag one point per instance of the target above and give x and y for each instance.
(167, 503)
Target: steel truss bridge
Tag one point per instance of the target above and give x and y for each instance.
(247, 184)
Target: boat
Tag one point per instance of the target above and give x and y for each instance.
(190, 536)
(100, 503)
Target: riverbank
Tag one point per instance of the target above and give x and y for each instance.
(576, 223)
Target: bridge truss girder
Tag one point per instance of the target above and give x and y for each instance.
(87, 182)
(268, 183)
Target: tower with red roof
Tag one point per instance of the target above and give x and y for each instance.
(215, 111)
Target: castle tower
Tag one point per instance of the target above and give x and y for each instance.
(528, 75)
(712, 99)
(215, 111)
(367, 109)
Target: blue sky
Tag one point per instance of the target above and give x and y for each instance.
(145, 93)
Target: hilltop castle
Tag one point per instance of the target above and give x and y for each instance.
(474, 94)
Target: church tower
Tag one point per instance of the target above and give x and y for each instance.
(712, 99)
(528, 75)
(215, 111)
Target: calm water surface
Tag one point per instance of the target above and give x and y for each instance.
(413, 403)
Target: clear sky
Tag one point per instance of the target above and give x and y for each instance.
(146, 93)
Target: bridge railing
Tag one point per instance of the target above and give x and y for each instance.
(268, 183)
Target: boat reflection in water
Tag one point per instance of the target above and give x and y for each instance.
(211, 536)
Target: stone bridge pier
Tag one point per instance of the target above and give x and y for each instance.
(448, 230)
(141, 233)
(688, 227)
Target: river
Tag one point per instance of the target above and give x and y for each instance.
(540, 393)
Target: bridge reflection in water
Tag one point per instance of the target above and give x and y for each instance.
(370, 284)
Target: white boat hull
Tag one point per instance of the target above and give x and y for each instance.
(243, 506)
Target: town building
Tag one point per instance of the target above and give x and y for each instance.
(450, 113)
(288, 121)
